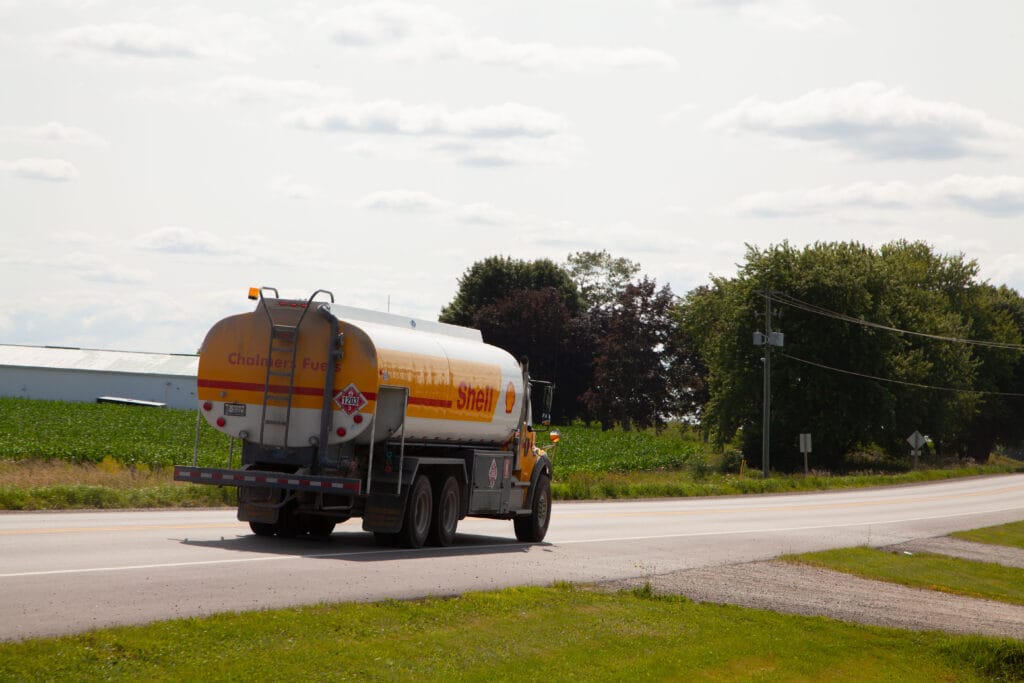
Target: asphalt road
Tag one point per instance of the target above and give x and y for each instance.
(68, 572)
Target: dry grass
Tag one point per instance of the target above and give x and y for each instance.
(108, 472)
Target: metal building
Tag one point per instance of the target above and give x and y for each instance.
(88, 375)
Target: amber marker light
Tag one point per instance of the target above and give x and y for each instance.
(554, 436)
(254, 293)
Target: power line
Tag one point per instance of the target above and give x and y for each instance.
(789, 300)
(901, 382)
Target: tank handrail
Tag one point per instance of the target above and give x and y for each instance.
(321, 291)
(272, 289)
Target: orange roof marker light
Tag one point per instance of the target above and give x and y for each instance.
(254, 293)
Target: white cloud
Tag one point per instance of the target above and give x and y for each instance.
(392, 117)
(790, 15)
(183, 32)
(288, 187)
(498, 135)
(402, 200)
(484, 214)
(410, 31)
(88, 266)
(177, 240)
(134, 39)
(52, 132)
(998, 196)
(51, 170)
(875, 121)
(201, 246)
(818, 200)
(994, 196)
(247, 90)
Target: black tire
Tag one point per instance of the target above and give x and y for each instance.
(447, 506)
(319, 527)
(384, 540)
(532, 528)
(288, 524)
(416, 526)
(262, 528)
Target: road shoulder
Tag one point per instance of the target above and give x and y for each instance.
(798, 589)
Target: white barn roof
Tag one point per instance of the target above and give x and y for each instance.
(67, 374)
(62, 358)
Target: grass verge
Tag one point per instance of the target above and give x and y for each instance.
(924, 570)
(1006, 534)
(523, 634)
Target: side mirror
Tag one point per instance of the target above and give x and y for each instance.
(549, 397)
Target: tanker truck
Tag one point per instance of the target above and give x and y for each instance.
(409, 425)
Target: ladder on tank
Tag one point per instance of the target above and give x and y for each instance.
(282, 353)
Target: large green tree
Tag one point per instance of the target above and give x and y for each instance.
(822, 379)
(496, 278)
(600, 277)
(640, 365)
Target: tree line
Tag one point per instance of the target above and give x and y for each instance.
(878, 343)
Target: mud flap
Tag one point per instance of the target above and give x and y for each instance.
(384, 512)
(258, 504)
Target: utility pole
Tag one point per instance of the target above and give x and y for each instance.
(767, 340)
(766, 416)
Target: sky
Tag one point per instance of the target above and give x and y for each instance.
(158, 159)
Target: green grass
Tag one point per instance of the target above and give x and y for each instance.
(1007, 534)
(924, 570)
(523, 634)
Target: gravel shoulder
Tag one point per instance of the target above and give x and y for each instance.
(796, 589)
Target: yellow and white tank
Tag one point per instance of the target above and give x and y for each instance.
(450, 386)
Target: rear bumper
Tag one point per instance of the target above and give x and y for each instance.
(270, 480)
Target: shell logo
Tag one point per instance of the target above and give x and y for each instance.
(510, 397)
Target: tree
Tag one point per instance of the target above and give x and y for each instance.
(637, 370)
(499, 277)
(600, 278)
(822, 380)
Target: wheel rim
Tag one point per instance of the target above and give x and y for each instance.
(421, 512)
(543, 507)
(449, 512)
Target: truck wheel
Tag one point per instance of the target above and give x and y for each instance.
(533, 528)
(384, 539)
(262, 528)
(319, 527)
(288, 524)
(446, 513)
(417, 514)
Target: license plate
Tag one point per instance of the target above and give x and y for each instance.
(234, 409)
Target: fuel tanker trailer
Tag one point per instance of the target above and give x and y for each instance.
(410, 425)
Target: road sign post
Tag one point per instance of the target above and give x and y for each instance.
(916, 441)
(805, 448)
